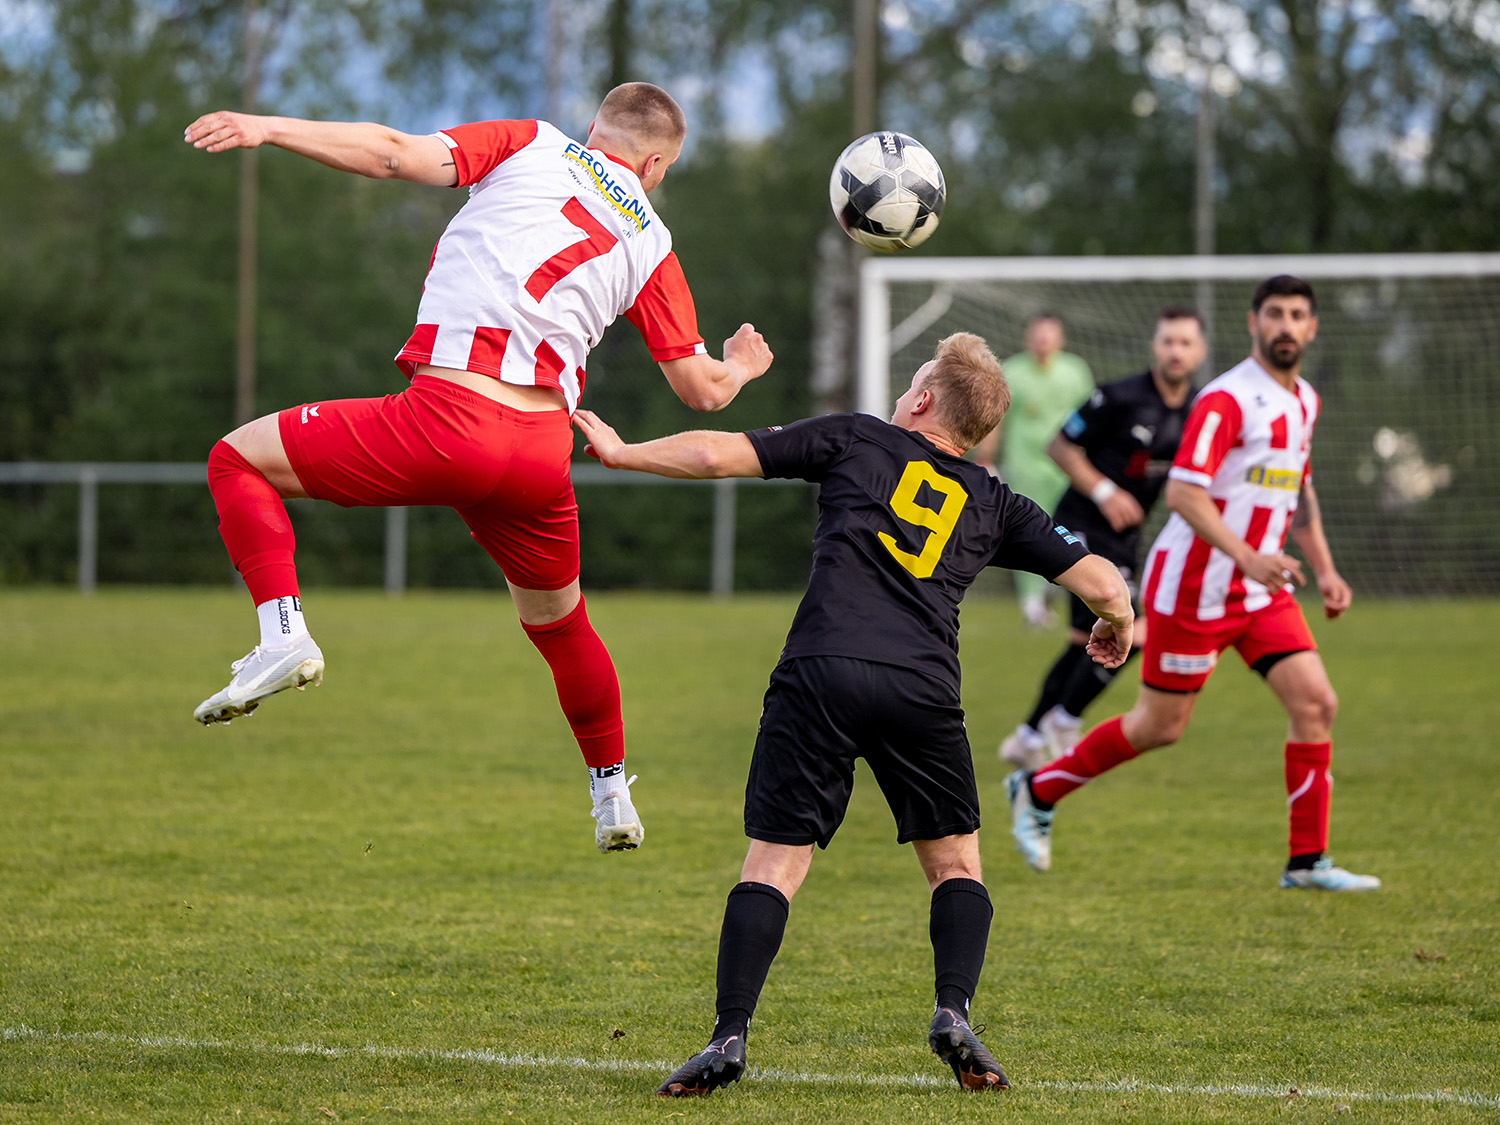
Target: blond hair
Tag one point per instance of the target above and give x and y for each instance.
(644, 115)
(971, 391)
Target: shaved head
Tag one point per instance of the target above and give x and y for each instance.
(643, 117)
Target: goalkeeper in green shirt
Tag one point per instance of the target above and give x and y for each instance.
(1046, 385)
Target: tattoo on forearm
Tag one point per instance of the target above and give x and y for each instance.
(1307, 509)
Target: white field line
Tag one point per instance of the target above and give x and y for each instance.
(528, 1060)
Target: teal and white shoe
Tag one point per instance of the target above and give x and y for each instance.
(1324, 876)
(1029, 826)
(263, 672)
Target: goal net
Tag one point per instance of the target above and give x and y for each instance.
(1407, 362)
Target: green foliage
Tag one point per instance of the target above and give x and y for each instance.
(1062, 129)
(399, 866)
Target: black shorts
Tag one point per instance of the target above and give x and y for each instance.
(823, 712)
(1123, 551)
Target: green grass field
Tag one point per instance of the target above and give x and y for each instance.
(380, 900)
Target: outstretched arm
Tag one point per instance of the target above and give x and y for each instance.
(1098, 583)
(367, 149)
(706, 383)
(695, 455)
(1307, 530)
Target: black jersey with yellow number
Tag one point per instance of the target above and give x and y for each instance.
(903, 531)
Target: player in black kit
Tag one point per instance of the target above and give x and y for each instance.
(1116, 449)
(870, 669)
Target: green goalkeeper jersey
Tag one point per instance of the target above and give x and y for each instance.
(1041, 398)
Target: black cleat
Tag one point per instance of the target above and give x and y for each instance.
(954, 1041)
(718, 1064)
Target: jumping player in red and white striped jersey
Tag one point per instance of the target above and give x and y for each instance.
(1217, 577)
(557, 239)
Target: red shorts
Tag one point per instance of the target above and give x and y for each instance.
(505, 471)
(1179, 655)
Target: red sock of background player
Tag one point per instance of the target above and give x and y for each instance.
(1103, 748)
(1309, 789)
(589, 692)
(258, 534)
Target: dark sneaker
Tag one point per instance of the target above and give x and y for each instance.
(954, 1041)
(718, 1064)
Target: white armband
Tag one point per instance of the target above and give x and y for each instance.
(1103, 491)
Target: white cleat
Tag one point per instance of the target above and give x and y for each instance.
(1060, 731)
(617, 826)
(1324, 876)
(263, 672)
(1030, 827)
(1025, 748)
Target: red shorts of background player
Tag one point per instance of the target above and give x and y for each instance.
(505, 471)
(1179, 655)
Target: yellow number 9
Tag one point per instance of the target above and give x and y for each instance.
(940, 522)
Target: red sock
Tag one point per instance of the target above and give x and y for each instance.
(1103, 748)
(253, 524)
(587, 686)
(1309, 787)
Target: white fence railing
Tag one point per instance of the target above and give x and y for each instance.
(89, 475)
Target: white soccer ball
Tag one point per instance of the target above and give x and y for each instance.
(887, 191)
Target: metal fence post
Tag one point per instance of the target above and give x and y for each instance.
(722, 583)
(395, 550)
(88, 529)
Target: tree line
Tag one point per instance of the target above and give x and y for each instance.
(1062, 129)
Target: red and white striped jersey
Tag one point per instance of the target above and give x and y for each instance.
(1247, 442)
(555, 241)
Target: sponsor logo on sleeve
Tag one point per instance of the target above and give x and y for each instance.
(1068, 536)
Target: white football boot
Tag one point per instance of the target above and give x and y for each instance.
(263, 672)
(1060, 731)
(1025, 748)
(617, 826)
(1324, 876)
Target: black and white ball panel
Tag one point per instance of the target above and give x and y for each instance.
(887, 191)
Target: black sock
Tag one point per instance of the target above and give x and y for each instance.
(1056, 683)
(754, 922)
(960, 929)
(1087, 682)
(1303, 862)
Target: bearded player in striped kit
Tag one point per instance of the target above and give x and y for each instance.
(1217, 577)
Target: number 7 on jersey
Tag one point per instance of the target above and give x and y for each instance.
(940, 521)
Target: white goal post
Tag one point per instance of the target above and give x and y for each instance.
(1407, 361)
